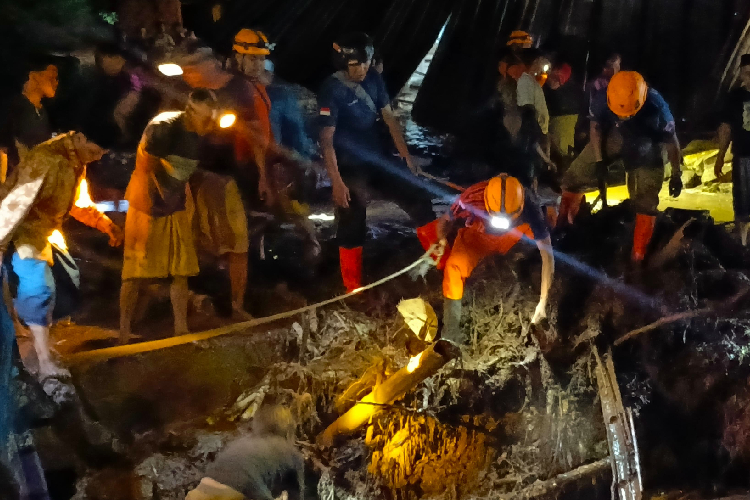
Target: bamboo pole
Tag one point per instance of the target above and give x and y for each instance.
(422, 366)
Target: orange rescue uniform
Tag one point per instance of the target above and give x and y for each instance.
(474, 242)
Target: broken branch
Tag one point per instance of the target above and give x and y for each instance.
(713, 310)
(663, 321)
(428, 362)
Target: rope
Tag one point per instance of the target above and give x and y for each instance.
(444, 182)
(141, 347)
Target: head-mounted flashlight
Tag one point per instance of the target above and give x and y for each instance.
(500, 222)
(170, 69)
(226, 120)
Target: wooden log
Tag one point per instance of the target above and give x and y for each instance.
(544, 488)
(373, 376)
(623, 448)
(422, 366)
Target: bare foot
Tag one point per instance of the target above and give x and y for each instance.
(52, 370)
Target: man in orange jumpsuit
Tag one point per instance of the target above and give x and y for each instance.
(490, 218)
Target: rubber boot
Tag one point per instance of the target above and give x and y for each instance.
(451, 321)
(570, 204)
(644, 230)
(350, 260)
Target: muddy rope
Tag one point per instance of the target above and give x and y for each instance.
(141, 347)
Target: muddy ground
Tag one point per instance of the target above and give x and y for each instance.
(517, 409)
(512, 412)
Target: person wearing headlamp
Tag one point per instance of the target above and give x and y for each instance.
(159, 241)
(488, 218)
(355, 112)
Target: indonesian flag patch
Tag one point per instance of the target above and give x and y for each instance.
(325, 111)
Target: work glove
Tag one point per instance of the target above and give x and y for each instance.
(420, 271)
(675, 185)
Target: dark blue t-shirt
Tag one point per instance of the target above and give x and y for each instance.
(357, 139)
(643, 134)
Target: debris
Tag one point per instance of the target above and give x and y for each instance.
(707, 311)
(623, 447)
(543, 488)
(429, 362)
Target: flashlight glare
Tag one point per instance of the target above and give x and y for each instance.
(170, 69)
(227, 120)
(546, 68)
(500, 222)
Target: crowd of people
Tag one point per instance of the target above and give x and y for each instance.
(240, 136)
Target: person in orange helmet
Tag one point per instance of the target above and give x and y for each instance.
(645, 123)
(511, 65)
(250, 50)
(488, 218)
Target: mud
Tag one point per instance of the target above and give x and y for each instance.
(519, 408)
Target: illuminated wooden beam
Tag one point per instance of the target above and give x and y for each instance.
(420, 367)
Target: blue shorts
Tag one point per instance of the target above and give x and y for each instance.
(32, 288)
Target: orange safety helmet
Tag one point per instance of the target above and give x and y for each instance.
(519, 38)
(249, 41)
(504, 195)
(626, 93)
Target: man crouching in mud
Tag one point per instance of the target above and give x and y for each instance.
(258, 466)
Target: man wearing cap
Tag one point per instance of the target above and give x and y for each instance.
(489, 218)
(158, 231)
(355, 111)
(735, 130)
(643, 119)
